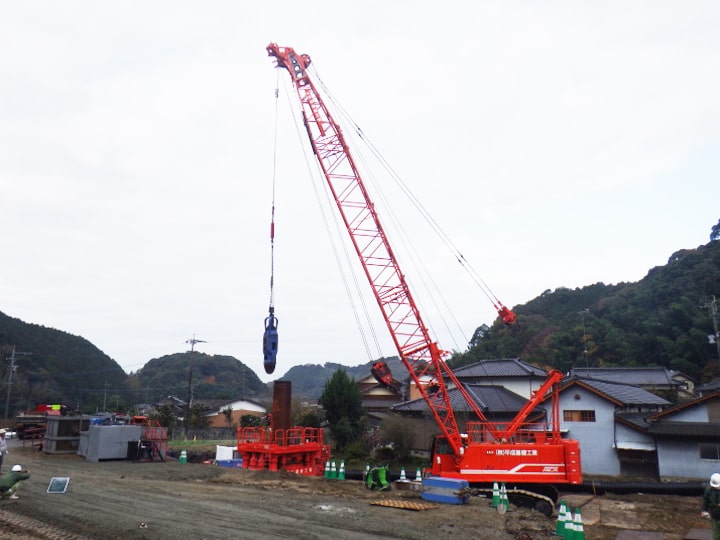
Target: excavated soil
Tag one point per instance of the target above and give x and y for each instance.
(171, 500)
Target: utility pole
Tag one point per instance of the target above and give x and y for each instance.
(192, 343)
(714, 338)
(11, 373)
(583, 313)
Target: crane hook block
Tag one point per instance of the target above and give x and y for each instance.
(270, 343)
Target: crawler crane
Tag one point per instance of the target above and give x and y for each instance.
(532, 458)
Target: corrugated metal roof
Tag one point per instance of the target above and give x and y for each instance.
(508, 367)
(638, 376)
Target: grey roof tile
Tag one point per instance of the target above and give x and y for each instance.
(625, 393)
(638, 376)
(508, 367)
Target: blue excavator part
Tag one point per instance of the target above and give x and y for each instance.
(270, 343)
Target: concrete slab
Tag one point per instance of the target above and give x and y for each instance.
(619, 515)
(698, 534)
(589, 509)
(577, 500)
(639, 535)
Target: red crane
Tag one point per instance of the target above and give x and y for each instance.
(421, 356)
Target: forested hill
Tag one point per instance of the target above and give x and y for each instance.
(662, 320)
(53, 366)
(213, 377)
(308, 381)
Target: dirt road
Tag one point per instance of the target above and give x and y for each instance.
(123, 499)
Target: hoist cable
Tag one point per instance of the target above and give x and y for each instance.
(315, 174)
(460, 258)
(270, 336)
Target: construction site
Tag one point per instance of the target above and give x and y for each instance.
(167, 500)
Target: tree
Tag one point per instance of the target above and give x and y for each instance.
(343, 408)
(227, 413)
(397, 432)
(715, 232)
(250, 420)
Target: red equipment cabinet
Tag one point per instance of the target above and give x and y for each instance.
(489, 452)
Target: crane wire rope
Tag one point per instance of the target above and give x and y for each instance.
(270, 335)
(320, 191)
(484, 287)
(434, 291)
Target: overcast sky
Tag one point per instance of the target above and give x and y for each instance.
(558, 144)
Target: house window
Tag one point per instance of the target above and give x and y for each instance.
(579, 415)
(710, 451)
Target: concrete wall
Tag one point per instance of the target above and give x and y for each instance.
(680, 460)
(597, 452)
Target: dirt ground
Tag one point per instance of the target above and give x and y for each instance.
(128, 500)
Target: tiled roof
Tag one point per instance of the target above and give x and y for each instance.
(509, 367)
(709, 387)
(494, 399)
(636, 420)
(624, 393)
(638, 376)
(686, 429)
(668, 413)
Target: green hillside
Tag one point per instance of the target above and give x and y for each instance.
(662, 320)
(213, 377)
(308, 380)
(61, 368)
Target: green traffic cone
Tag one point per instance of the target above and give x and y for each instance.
(341, 471)
(569, 526)
(327, 470)
(560, 526)
(578, 529)
(504, 498)
(495, 496)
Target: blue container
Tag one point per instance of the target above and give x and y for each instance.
(445, 490)
(232, 463)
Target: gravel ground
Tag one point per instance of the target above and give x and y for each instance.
(123, 499)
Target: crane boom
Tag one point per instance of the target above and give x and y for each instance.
(420, 354)
(488, 451)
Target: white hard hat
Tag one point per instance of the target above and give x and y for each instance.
(18, 468)
(715, 480)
